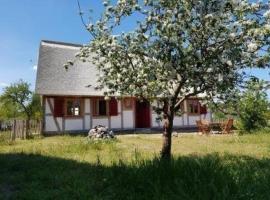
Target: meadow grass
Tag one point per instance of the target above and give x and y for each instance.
(72, 167)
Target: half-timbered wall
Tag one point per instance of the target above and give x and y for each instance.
(125, 118)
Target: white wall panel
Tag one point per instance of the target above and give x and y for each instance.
(178, 121)
(128, 119)
(192, 120)
(206, 116)
(100, 121)
(47, 107)
(73, 124)
(154, 121)
(87, 105)
(87, 122)
(50, 123)
(185, 122)
(116, 121)
(119, 106)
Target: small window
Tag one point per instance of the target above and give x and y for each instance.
(100, 107)
(127, 103)
(193, 107)
(73, 107)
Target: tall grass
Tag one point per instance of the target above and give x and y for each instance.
(32, 176)
(65, 167)
(4, 138)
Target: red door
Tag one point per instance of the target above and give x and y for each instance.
(142, 114)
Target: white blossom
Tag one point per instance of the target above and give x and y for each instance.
(105, 3)
(233, 35)
(90, 27)
(210, 69)
(267, 14)
(119, 76)
(208, 16)
(163, 53)
(229, 62)
(107, 98)
(255, 5)
(237, 1)
(267, 27)
(252, 47)
(220, 77)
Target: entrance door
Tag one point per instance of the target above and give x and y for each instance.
(142, 114)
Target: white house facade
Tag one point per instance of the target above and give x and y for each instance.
(72, 104)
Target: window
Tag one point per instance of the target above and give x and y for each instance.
(73, 107)
(99, 107)
(193, 107)
(102, 107)
(127, 103)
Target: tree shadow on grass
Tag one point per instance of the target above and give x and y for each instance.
(24, 176)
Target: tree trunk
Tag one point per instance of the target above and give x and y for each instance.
(167, 138)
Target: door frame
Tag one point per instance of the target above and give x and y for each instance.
(149, 111)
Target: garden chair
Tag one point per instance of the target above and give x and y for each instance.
(226, 128)
(205, 122)
(204, 128)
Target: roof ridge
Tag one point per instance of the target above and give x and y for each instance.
(62, 43)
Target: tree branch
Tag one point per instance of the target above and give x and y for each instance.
(82, 20)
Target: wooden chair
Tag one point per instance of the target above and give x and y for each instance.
(204, 128)
(226, 128)
(205, 122)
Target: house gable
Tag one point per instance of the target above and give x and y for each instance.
(54, 79)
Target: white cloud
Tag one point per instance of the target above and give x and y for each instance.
(35, 67)
(2, 84)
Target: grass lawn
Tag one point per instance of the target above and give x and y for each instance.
(71, 167)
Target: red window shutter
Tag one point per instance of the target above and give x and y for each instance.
(94, 106)
(113, 111)
(203, 109)
(58, 107)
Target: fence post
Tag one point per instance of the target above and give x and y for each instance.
(13, 132)
(41, 127)
(23, 132)
(19, 129)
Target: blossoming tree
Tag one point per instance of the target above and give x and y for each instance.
(179, 49)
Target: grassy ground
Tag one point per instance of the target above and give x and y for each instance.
(71, 167)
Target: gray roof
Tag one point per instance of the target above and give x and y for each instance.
(53, 79)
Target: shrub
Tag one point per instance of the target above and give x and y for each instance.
(4, 138)
(253, 107)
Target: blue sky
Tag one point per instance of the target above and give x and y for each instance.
(24, 23)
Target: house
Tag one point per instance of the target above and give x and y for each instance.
(71, 103)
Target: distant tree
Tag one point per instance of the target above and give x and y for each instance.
(179, 49)
(19, 96)
(248, 104)
(226, 104)
(7, 111)
(253, 107)
(36, 107)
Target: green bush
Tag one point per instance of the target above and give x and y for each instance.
(253, 107)
(4, 137)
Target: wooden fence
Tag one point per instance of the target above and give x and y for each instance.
(18, 129)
